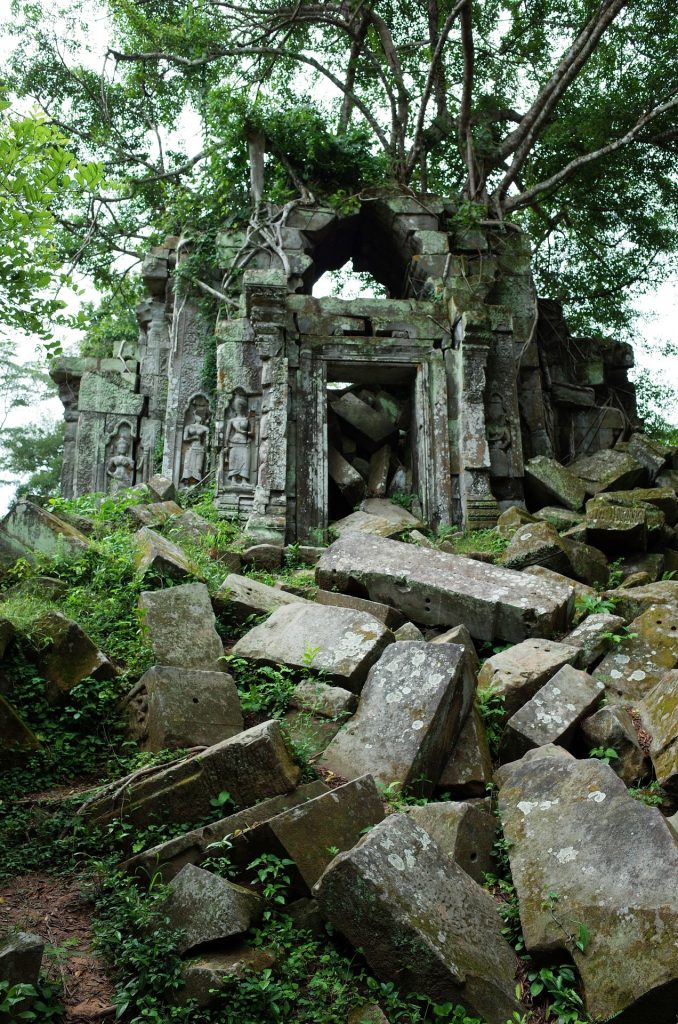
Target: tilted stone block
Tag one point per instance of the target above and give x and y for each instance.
(517, 673)
(391, 617)
(433, 588)
(631, 670)
(612, 728)
(180, 626)
(660, 714)
(244, 597)
(607, 471)
(593, 637)
(546, 480)
(66, 655)
(466, 832)
(158, 556)
(468, 770)
(411, 710)
(207, 908)
(422, 922)
(28, 529)
(341, 643)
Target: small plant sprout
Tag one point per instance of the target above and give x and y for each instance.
(605, 754)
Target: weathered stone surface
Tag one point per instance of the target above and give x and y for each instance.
(663, 498)
(180, 626)
(251, 766)
(387, 522)
(155, 514)
(548, 575)
(312, 833)
(553, 714)
(614, 528)
(587, 564)
(519, 672)
(512, 519)
(436, 589)
(245, 597)
(632, 603)
(28, 529)
(537, 544)
(651, 454)
(408, 631)
(546, 480)
(207, 908)
(15, 736)
(158, 556)
(660, 716)
(171, 708)
(636, 579)
(20, 959)
(377, 480)
(636, 665)
(161, 488)
(422, 922)
(561, 518)
(391, 617)
(612, 728)
(193, 847)
(347, 478)
(349, 642)
(607, 471)
(204, 977)
(468, 771)
(6, 635)
(372, 426)
(368, 1014)
(323, 700)
(593, 637)
(268, 557)
(612, 862)
(411, 710)
(464, 831)
(460, 635)
(66, 655)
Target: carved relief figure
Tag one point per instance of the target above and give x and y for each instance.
(499, 436)
(238, 441)
(195, 433)
(120, 467)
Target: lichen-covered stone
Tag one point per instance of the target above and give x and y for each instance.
(207, 908)
(663, 498)
(553, 714)
(411, 710)
(631, 670)
(537, 544)
(243, 597)
(30, 529)
(562, 519)
(250, 766)
(633, 602)
(172, 708)
(460, 635)
(607, 471)
(466, 832)
(161, 488)
(581, 590)
(468, 771)
(660, 716)
(155, 514)
(326, 701)
(433, 588)
(512, 519)
(587, 564)
(66, 655)
(264, 557)
(546, 480)
(594, 637)
(340, 643)
(612, 865)
(519, 672)
(422, 922)
(385, 520)
(390, 616)
(158, 556)
(408, 631)
(616, 529)
(612, 728)
(20, 961)
(180, 626)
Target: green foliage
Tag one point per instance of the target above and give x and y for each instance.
(111, 323)
(262, 689)
(35, 451)
(616, 639)
(492, 708)
(28, 1003)
(606, 754)
(566, 1006)
(594, 604)
(480, 540)
(652, 795)
(616, 574)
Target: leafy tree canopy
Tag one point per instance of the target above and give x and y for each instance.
(558, 114)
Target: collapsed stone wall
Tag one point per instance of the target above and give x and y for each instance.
(492, 375)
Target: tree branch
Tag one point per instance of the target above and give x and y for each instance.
(465, 134)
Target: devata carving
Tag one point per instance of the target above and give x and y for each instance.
(238, 442)
(120, 466)
(195, 437)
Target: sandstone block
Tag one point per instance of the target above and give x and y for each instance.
(592, 637)
(384, 520)
(28, 528)
(161, 488)
(512, 519)
(245, 597)
(422, 922)
(204, 976)
(411, 710)
(537, 544)
(16, 739)
(612, 728)
(208, 908)
(180, 626)
(21, 959)
(408, 631)
(519, 672)
(377, 480)
(391, 617)
(468, 771)
(323, 700)
(465, 832)
(349, 481)
(460, 635)
(631, 670)
(66, 655)
(433, 588)
(607, 470)
(616, 529)
(370, 425)
(612, 864)
(546, 480)
(346, 643)
(158, 556)
(268, 557)
(155, 514)
(660, 714)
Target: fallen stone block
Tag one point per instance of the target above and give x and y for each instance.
(368, 1014)
(581, 590)
(193, 847)
(312, 833)
(16, 739)
(180, 626)
(155, 514)
(323, 700)
(20, 962)
(372, 427)
(611, 864)
(546, 480)
(267, 557)
(537, 544)
(206, 976)
(460, 635)
(512, 519)
(245, 597)
(587, 564)
(607, 470)
(207, 908)
(388, 521)
(468, 771)
(349, 481)
(663, 498)
(593, 637)
(408, 631)
(158, 557)
(612, 728)
(519, 672)
(28, 529)
(616, 529)
(171, 708)
(377, 480)
(251, 766)
(161, 488)
(65, 654)
(631, 670)
(391, 617)
(660, 715)
(433, 588)
(552, 715)
(422, 922)
(652, 455)
(339, 643)
(411, 710)
(561, 518)
(634, 602)
(465, 832)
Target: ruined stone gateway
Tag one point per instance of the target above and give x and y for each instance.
(443, 390)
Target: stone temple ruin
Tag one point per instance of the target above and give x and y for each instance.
(443, 390)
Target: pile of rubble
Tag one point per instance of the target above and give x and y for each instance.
(390, 697)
